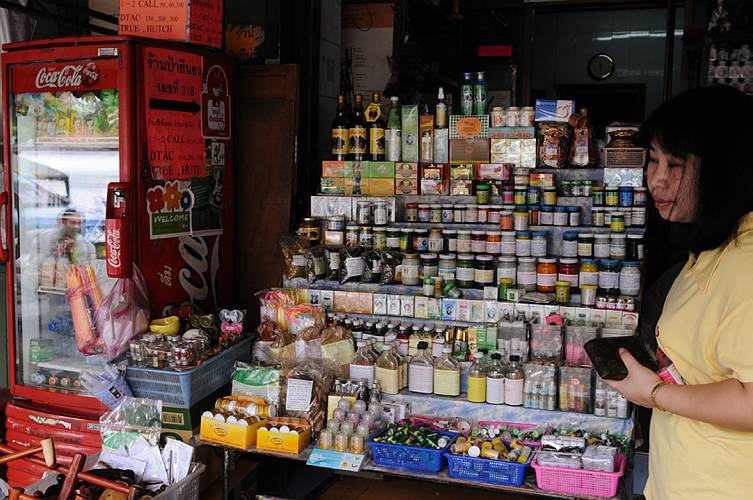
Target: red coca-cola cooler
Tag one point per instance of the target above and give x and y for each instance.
(118, 153)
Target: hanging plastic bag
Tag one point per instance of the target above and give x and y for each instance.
(130, 420)
(85, 298)
(108, 385)
(123, 314)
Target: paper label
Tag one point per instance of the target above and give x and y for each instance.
(362, 372)
(446, 382)
(495, 390)
(298, 397)
(421, 379)
(514, 392)
(388, 380)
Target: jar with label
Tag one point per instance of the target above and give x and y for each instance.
(527, 273)
(311, 229)
(627, 214)
(523, 244)
(406, 240)
(507, 267)
(589, 272)
(550, 196)
(450, 237)
(411, 212)
(507, 245)
(585, 245)
(534, 212)
(366, 237)
(597, 196)
(471, 213)
(625, 195)
(560, 216)
(520, 219)
(424, 212)
(568, 271)
(588, 295)
(640, 197)
(393, 238)
(363, 213)
(410, 269)
(494, 214)
(495, 381)
(611, 196)
(569, 246)
(506, 220)
(436, 243)
(512, 116)
(478, 241)
(617, 222)
(484, 273)
(362, 365)
(634, 247)
(597, 216)
(566, 188)
(421, 371)
(562, 292)
(483, 214)
(493, 242)
(520, 195)
(466, 271)
(380, 238)
(508, 195)
(609, 276)
(477, 379)
(638, 214)
(447, 263)
(381, 216)
(429, 265)
(546, 275)
(539, 244)
(482, 194)
(464, 241)
(497, 116)
(446, 374)
(421, 240)
(533, 195)
(447, 213)
(527, 116)
(435, 213)
(351, 236)
(601, 246)
(618, 246)
(546, 217)
(630, 278)
(586, 188)
(458, 213)
(388, 371)
(514, 382)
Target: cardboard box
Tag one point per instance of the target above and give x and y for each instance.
(469, 150)
(463, 171)
(284, 442)
(410, 137)
(494, 171)
(548, 110)
(357, 169)
(238, 436)
(406, 170)
(381, 169)
(198, 22)
(357, 186)
(333, 169)
(342, 301)
(434, 171)
(332, 186)
(381, 187)
(426, 129)
(406, 186)
(333, 400)
(512, 132)
(432, 187)
(461, 187)
(469, 127)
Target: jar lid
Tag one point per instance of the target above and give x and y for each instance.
(625, 188)
(485, 258)
(497, 108)
(589, 287)
(527, 108)
(471, 205)
(508, 258)
(638, 209)
(428, 256)
(435, 205)
(494, 233)
(351, 227)
(560, 209)
(482, 187)
(393, 229)
(611, 188)
(513, 108)
(412, 205)
(635, 236)
(588, 261)
(568, 261)
(523, 234)
(380, 203)
(447, 205)
(534, 188)
(619, 236)
(630, 263)
(562, 283)
(478, 233)
(547, 260)
(585, 235)
(495, 207)
(609, 262)
(508, 234)
(464, 231)
(570, 235)
(459, 206)
(539, 234)
(601, 236)
(465, 256)
(446, 256)
(521, 208)
(380, 229)
(506, 213)
(435, 229)
(527, 260)
(410, 256)
(521, 187)
(363, 202)
(421, 231)
(598, 209)
(365, 228)
(547, 208)
(449, 232)
(640, 189)
(423, 205)
(573, 209)
(336, 218)
(597, 188)
(550, 188)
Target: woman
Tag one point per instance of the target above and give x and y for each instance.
(701, 172)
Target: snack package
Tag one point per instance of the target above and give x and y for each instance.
(317, 265)
(274, 302)
(308, 343)
(390, 262)
(257, 380)
(303, 316)
(333, 265)
(305, 389)
(553, 142)
(283, 347)
(372, 269)
(351, 265)
(293, 248)
(337, 347)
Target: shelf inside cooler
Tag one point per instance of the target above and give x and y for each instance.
(72, 142)
(64, 364)
(51, 290)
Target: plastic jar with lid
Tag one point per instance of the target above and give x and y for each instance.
(507, 244)
(568, 271)
(638, 215)
(627, 214)
(506, 220)
(566, 188)
(597, 196)
(512, 116)
(527, 273)
(589, 272)
(560, 216)
(410, 269)
(630, 278)
(471, 213)
(601, 246)
(465, 273)
(527, 116)
(484, 271)
(625, 196)
(494, 242)
(380, 238)
(351, 236)
(406, 239)
(520, 194)
(508, 195)
(640, 197)
(597, 216)
(447, 214)
(464, 241)
(546, 216)
(363, 212)
(523, 244)
(634, 247)
(411, 212)
(617, 222)
(587, 187)
(497, 116)
(520, 218)
(424, 212)
(494, 214)
(435, 213)
(450, 237)
(393, 238)
(447, 265)
(483, 214)
(617, 246)
(549, 196)
(588, 294)
(533, 195)
(436, 242)
(534, 213)
(366, 237)
(429, 265)
(611, 196)
(478, 241)
(585, 245)
(573, 216)
(609, 276)
(546, 275)
(380, 213)
(421, 240)
(507, 267)
(482, 194)
(569, 245)
(539, 244)
(458, 213)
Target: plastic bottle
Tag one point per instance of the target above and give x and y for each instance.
(421, 371)
(479, 94)
(388, 371)
(447, 375)
(477, 379)
(495, 381)
(466, 95)
(362, 366)
(514, 381)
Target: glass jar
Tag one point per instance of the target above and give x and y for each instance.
(421, 240)
(478, 241)
(520, 194)
(411, 212)
(410, 269)
(406, 240)
(601, 246)
(447, 264)
(507, 245)
(625, 196)
(533, 195)
(597, 216)
(634, 247)
(526, 276)
(568, 271)
(506, 220)
(447, 213)
(436, 243)
(611, 196)
(351, 236)
(482, 194)
(450, 237)
(523, 244)
(483, 214)
(527, 116)
(534, 212)
(458, 213)
(546, 216)
(494, 214)
(466, 271)
(562, 292)
(589, 272)
(569, 245)
(585, 245)
(560, 216)
(484, 272)
(363, 213)
(471, 213)
(429, 265)
(586, 188)
(597, 196)
(520, 176)
(638, 214)
(640, 197)
(617, 222)
(493, 242)
(546, 275)
(588, 295)
(424, 212)
(618, 246)
(573, 216)
(464, 241)
(380, 213)
(609, 276)
(539, 244)
(366, 237)
(435, 213)
(393, 238)
(550, 196)
(630, 278)
(520, 219)
(507, 267)
(508, 195)
(380, 238)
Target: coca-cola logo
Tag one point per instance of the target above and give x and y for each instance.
(70, 75)
(113, 247)
(198, 277)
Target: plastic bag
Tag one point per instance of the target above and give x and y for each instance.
(390, 262)
(333, 271)
(109, 385)
(293, 248)
(133, 418)
(316, 264)
(554, 142)
(283, 347)
(337, 347)
(308, 343)
(351, 265)
(321, 374)
(257, 380)
(122, 314)
(303, 316)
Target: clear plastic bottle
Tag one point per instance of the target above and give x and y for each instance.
(514, 381)
(447, 374)
(477, 379)
(362, 366)
(388, 371)
(495, 381)
(421, 371)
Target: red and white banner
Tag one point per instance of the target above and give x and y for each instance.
(66, 76)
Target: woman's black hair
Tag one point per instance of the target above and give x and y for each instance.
(714, 124)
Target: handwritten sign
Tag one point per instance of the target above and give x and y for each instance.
(195, 21)
(172, 91)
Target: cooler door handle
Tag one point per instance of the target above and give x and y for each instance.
(4, 254)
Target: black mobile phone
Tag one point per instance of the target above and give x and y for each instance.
(605, 355)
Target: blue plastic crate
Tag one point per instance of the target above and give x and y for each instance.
(191, 386)
(487, 471)
(410, 457)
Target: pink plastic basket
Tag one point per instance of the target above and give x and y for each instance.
(578, 481)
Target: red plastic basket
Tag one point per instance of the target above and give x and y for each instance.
(578, 481)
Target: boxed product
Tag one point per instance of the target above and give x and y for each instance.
(541, 180)
(240, 435)
(405, 170)
(548, 110)
(333, 169)
(462, 172)
(442, 145)
(332, 186)
(494, 171)
(459, 187)
(410, 137)
(406, 186)
(512, 132)
(469, 127)
(381, 187)
(462, 150)
(426, 131)
(276, 435)
(381, 169)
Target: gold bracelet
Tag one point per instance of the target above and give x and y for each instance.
(652, 396)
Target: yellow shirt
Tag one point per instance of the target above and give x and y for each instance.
(706, 329)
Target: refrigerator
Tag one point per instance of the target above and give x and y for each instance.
(117, 152)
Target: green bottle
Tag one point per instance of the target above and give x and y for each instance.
(393, 135)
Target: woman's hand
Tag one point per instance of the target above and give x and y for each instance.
(637, 386)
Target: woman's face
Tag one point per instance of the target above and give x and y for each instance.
(673, 184)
